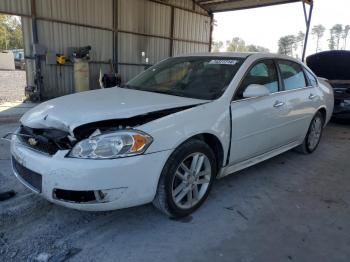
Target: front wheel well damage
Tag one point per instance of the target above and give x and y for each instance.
(214, 143)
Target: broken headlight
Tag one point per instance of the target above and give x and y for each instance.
(112, 145)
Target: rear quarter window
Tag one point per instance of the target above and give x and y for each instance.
(311, 78)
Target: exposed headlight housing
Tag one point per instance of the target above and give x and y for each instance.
(112, 145)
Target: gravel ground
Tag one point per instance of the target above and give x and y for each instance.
(290, 208)
(12, 85)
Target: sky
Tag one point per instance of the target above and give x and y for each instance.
(264, 26)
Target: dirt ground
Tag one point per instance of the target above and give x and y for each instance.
(12, 85)
(290, 208)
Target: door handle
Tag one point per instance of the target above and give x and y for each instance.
(278, 104)
(312, 96)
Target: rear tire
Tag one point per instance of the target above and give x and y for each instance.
(186, 179)
(313, 136)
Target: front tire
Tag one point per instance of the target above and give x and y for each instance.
(313, 136)
(186, 179)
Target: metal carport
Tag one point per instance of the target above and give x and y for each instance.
(215, 6)
(119, 31)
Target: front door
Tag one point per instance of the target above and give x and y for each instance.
(257, 122)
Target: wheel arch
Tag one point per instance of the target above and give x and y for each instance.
(215, 144)
(323, 111)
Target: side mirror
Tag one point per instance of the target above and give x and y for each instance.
(255, 90)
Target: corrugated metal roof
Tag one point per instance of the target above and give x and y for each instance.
(15, 7)
(144, 17)
(231, 5)
(144, 26)
(59, 80)
(187, 4)
(131, 46)
(57, 37)
(87, 12)
(127, 71)
(28, 40)
(199, 29)
(188, 48)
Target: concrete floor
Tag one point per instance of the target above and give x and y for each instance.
(290, 208)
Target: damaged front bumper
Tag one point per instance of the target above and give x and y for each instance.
(93, 185)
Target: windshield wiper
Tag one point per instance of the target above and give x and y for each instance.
(164, 92)
(129, 86)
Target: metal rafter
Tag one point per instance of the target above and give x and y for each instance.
(308, 23)
(214, 6)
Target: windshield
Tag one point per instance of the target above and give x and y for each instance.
(195, 77)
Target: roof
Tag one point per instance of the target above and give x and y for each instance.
(256, 55)
(213, 6)
(218, 54)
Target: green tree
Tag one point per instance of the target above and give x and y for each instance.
(336, 34)
(283, 46)
(345, 34)
(300, 38)
(257, 48)
(3, 32)
(286, 45)
(216, 46)
(10, 32)
(236, 45)
(331, 41)
(318, 32)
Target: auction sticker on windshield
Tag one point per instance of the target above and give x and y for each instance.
(223, 62)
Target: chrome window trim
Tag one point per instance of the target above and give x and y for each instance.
(273, 94)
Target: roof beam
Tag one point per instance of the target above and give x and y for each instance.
(214, 6)
(308, 23)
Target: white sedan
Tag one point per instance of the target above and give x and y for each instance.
(165, 136)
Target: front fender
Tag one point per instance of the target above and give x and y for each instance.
(172, 130)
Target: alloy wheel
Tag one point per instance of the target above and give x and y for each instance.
(191, 180)
(315, 133)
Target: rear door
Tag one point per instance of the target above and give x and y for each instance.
(300, 96)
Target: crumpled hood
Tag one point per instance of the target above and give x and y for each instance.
(68, 112)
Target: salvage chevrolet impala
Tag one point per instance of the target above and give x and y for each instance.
(164, 136)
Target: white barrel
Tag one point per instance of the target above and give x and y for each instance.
(7, 61)
(81, 75)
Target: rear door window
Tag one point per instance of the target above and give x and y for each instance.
(311, 78)
(292, 75)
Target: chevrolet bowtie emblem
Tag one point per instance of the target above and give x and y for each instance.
(32, 141)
